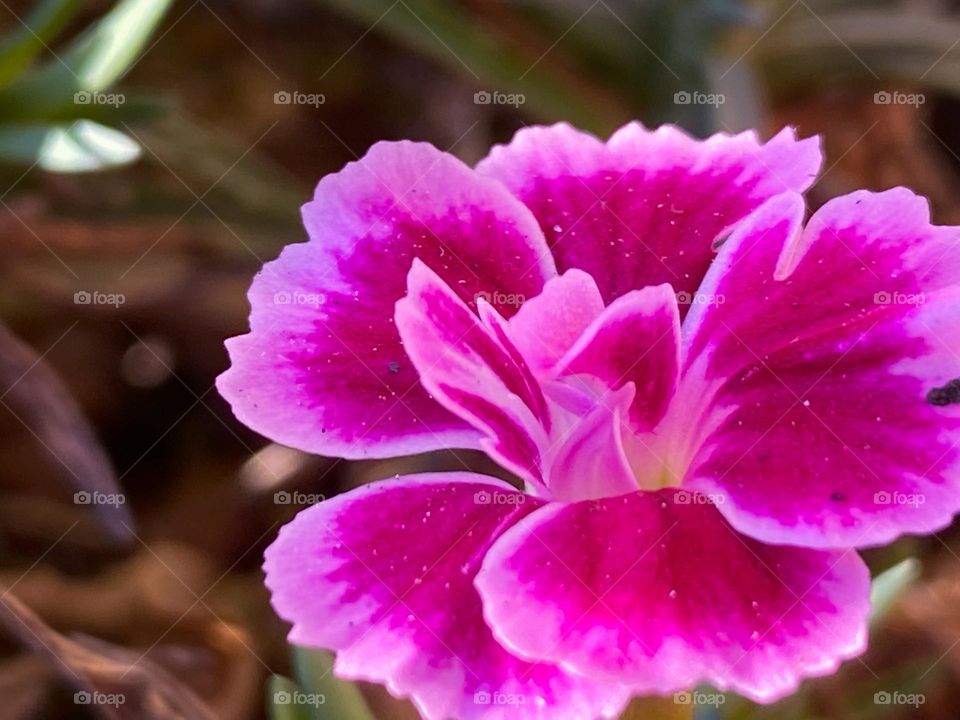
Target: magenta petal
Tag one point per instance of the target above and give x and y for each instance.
(323, 368)
(658, 591)
(473, 369)
(636, 339)
(819, 369)
(565, 308)
(587, 457)
(645, 207)
(384, 576)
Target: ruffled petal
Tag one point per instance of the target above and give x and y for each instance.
(645, 208)
(825, 374)
(475, 372)
(384, 576)
(634, 340)
(323, 368)
(657, 590)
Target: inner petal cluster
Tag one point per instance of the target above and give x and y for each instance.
(570, 401)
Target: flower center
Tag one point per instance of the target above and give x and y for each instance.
(664, 456)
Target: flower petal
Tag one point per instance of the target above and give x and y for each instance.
(322, 368)
(644, 208)
(635, 339)
(384, 576)
(587, 457)
(475, 372)
(657, 590)
(817, 373)
(546, 326)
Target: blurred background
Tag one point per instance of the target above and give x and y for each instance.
(153, 154)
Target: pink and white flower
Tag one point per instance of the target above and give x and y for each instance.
(710, 403)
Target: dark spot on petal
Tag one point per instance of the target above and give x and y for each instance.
(719, 240)
(949, 394)
(838, 496)
(394, 367)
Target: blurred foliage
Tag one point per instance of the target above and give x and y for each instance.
(888, 585)
(322, 696)
(57, 114)
(626, 59)
(619, 59)
(882, 43)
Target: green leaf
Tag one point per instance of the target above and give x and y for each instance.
(888, 586)
(19, 49)
(282, 694)
(314, 670)
(82, 146)
(132, 109)
(91, 64)
(104, 53)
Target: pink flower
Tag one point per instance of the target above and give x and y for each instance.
(705, 434)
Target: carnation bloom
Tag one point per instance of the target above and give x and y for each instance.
(711, 404)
